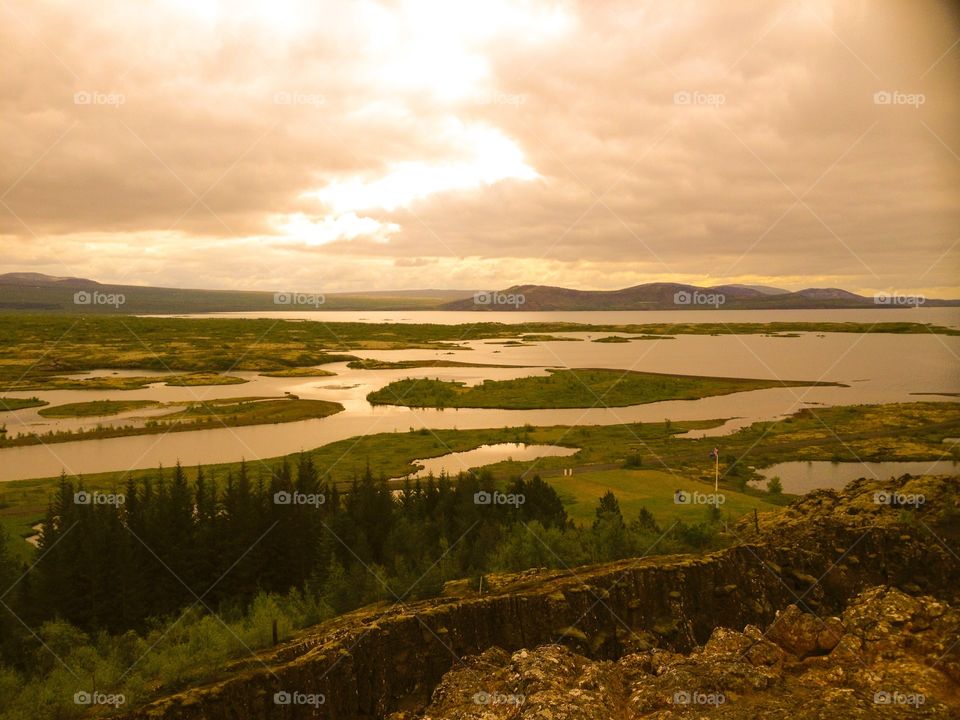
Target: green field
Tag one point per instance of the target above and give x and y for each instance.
(652, 489)
(581, 388)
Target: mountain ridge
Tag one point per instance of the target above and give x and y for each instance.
(30, 291)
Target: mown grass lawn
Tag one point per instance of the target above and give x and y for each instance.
(653, 489)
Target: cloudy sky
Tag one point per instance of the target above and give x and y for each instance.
(347, 145)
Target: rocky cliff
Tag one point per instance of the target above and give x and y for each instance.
(639, 631)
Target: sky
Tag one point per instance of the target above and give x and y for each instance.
(356, 145)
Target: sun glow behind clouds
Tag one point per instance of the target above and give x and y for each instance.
(348, 226)
(491, 157)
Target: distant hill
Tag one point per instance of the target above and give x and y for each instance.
(765, 289)
(669, 296)
(38, 292)
(27, 291)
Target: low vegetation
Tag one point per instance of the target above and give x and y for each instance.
(122, 620)
(904, 431)
(581, 388)
(123, 382)
(226, 412)
(96, 408)
(8, 404)
(371, 364)
(298, 372)
(38, 350)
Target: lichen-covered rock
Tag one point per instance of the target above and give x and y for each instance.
(855, 679)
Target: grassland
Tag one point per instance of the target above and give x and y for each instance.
(581, 388)
(95, 408)
(905, 431)
(124, 382)
(38, 350)
(652, 489)
(9, 404)
(225, 412)
(298, 372)
(371, 364)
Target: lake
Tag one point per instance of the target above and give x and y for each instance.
(876, 368)
(949, 316)
(454, 463)
(800, 477)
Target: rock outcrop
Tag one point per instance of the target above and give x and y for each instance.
(630, 635)
(885, 657)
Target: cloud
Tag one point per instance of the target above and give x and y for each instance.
(503, 142)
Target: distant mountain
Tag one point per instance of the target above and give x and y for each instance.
(41, 280)
(765, 289)
(37, 292)
(28, 291)
(668, 296)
